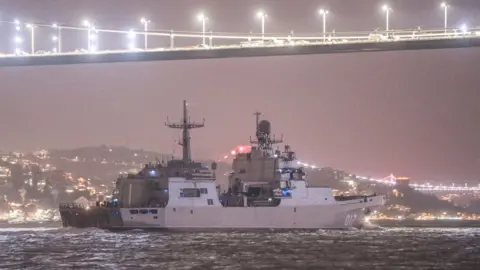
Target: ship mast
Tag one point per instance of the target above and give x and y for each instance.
(257, 118)
(185, 125)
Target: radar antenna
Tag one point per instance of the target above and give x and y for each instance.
(263, 133)
(185, 125)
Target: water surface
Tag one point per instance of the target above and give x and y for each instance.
(96, 249)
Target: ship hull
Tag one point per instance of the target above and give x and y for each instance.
(225, 218)
(249, 218)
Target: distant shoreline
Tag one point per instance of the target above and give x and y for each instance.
(410, 223)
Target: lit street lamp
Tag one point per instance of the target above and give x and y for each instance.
(387, 10)
(324, 13)
(32, 37)
(145, 23)
(445, 7)
(204, 20)
(262, 16)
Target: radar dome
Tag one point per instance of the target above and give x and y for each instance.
(264, 127)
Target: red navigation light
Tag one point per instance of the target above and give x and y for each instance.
(243, 149)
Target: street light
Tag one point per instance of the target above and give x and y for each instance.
(324, 13)
(204, 20)
(445, 6)
(262, 16)
(387, 10)
(145, 23)
(32, 37)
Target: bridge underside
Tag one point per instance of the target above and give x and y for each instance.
(237, 52)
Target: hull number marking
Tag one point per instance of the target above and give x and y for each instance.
(350, 219)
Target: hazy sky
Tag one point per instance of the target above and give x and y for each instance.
(410, 113)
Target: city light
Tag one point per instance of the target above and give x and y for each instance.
(262, 17)
(324, 13)
(203, 19)
(464, 29)
(145, 23)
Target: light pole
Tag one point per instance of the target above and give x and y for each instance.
(89, 32)
(445, 7)
(387, 10)
(58, 38)
(145, 23)
(324, 13)
(32, 37)
(204, 20)
(262, 16)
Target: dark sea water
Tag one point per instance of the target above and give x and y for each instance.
(97, 249)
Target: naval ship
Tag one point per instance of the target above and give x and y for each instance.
(267, 189)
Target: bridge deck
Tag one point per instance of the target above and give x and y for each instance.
(169, 55)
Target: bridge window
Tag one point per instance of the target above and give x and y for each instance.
(143, 211)
(153, 211)
(210, 201)
(190, 193)
(203, 191)
(133, 211)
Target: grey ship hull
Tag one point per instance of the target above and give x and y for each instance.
(246, 218)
